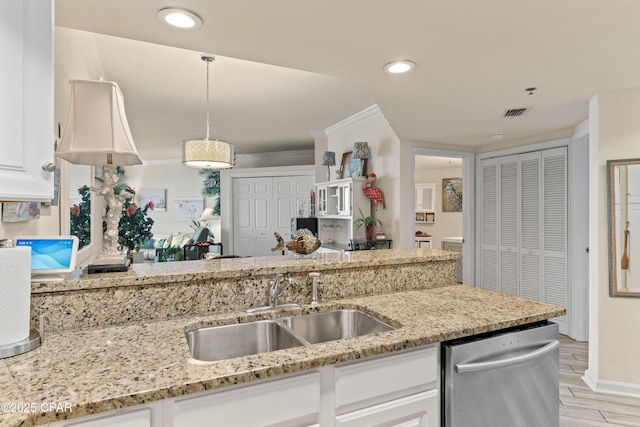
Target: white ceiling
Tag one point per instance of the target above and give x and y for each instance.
(435, 162)
(286, 68)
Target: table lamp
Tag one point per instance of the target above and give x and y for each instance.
(97, 133)
(361, 151)
(328, 160)
(207, 216)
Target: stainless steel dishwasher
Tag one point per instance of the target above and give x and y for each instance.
(507, 379)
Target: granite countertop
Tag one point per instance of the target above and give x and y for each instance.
(102, 369)
(159, 273)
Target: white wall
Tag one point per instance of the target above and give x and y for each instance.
(448, 224)
(179, 181)
(614, 333)
(370, 126)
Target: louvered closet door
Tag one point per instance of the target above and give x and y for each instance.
(530, 225)
(489, 229)
(508, 262)
(554, 273)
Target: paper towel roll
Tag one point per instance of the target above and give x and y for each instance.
(15, 294)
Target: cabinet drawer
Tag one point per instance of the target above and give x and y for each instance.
(277, 402)
(361, 384)
(417, 410)
(135, 418)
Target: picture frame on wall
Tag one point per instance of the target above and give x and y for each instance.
(188, 208)
(350, 167)
(452, 195)
(20, 211)
(153, 195)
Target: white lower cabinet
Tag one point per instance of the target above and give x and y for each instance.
(398, 390)
(417, 410)
(146, 416)
(402, 390)
(288, 402)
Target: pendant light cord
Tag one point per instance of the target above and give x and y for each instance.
(208, 62)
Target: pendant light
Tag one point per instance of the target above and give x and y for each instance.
(207, 153)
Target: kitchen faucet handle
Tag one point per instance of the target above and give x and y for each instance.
(315, 278)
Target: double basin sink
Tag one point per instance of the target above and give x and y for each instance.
(226, 342)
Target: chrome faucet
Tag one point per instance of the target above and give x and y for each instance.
(276, 287)
(274, 292)
(315, 278)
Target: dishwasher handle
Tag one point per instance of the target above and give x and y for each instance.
(495, 364)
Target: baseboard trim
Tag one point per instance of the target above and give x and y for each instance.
(611, 387)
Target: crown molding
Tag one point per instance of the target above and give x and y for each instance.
(350, 121)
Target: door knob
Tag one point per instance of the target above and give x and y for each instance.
(49, 167)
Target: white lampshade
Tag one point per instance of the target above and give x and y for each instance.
(208, 215)
(207, 154)
(97, 132)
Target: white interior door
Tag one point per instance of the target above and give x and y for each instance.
(264, 205)
(530, 225)
(291, 199)
(508, 225)
(554, 197)
(489, 228)
(251, 222)
(524, 237)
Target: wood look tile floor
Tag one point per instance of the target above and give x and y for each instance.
(581, 407)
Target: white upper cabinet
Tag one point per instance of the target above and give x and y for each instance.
(26, 104)
(342, 198)
(425, 197)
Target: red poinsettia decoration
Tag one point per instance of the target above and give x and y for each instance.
(131, 209)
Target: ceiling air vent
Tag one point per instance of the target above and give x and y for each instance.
(515, 112)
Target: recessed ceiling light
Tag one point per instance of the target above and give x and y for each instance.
(180, 18)
(397, 67)
(497, 135)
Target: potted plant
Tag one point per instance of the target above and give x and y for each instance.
(369, 223)
(172, 253)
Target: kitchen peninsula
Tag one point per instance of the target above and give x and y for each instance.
(117, 341)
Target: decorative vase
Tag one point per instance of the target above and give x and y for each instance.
(368, 231)
(137, 257)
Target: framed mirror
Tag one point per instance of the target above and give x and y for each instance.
(623, 198)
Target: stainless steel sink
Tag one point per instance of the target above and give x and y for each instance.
(334, 325)
(226, 342)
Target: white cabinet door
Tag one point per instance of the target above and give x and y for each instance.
(136, 418)
(321, 200)
(425, 197)
(418, 410)
(26, 104)
(344, 199)
(371, 382)
(287, 402)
